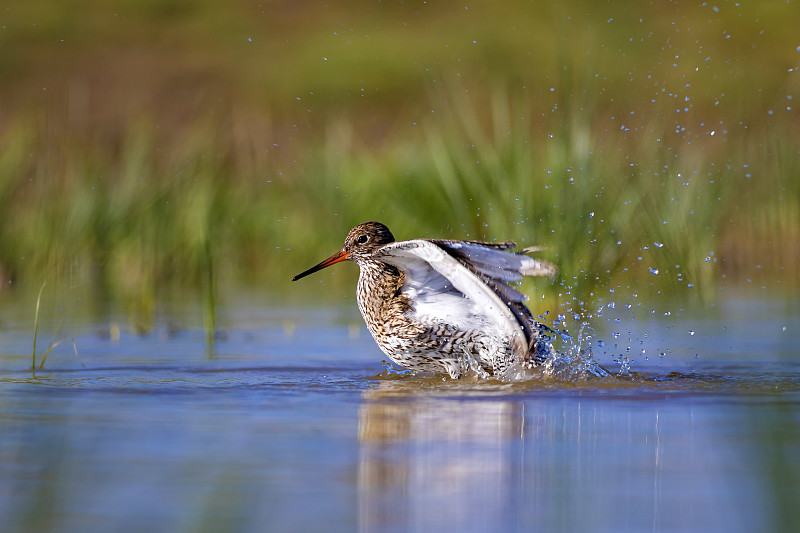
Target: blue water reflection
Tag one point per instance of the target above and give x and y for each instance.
(575, 462)
(299, 429)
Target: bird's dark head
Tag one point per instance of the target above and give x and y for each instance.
(360, 244)
(364, 239)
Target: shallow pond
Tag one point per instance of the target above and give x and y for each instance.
(291, 423)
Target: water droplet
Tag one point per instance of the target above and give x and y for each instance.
(653, 270)
(658, 244)
(691, 332)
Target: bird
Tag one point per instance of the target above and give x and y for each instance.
(445, 306)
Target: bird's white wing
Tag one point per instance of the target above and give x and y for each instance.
(489, 260)
(442, 288)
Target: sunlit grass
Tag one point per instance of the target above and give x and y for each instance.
(642, 158)
(53, 342)
(36, 328)
(654, 218)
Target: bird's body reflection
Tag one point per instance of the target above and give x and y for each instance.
(437, 461)
(490, 456)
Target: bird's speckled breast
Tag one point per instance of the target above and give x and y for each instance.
(383, 305)
(426, 347)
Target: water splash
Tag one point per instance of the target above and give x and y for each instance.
(389, 370)
(569, 358)
(575, 360)
(476, 367)
(624, 366)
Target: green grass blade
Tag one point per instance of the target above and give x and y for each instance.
(36, 328)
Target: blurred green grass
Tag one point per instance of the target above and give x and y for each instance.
(205, 144)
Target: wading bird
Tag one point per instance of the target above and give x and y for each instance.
(445, 306)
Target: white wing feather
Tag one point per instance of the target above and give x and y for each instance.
(442, 288)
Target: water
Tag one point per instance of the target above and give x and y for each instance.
(292, 423)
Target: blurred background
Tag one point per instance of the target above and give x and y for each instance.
(167, 166)
(653, 149)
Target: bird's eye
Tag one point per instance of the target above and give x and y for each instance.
(362, 239)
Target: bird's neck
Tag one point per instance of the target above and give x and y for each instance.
(378, 287)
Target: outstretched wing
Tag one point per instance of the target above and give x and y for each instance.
(486, 259)
(496, 269)
(465, 283)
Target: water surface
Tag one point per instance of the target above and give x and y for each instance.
(291, 423)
